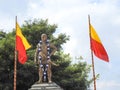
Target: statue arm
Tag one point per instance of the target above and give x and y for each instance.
(35, 56)
(54, 49)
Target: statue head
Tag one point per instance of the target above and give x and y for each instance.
(43, 37)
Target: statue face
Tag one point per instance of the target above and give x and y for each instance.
(43, 37)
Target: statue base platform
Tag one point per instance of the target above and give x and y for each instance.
(45, 86)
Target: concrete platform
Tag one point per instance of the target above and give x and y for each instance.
(45, 86)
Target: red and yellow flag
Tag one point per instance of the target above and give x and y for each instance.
(21, 45)
(96, 45)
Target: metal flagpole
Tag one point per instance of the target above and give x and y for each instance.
(93, 69)
(15, 61)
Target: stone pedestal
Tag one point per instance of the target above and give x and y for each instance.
(46, 86)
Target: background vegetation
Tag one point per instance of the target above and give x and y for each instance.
(68, 76)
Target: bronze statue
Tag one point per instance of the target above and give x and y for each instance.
(43, 54)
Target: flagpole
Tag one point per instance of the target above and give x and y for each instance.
(15, 61)
(93, 68)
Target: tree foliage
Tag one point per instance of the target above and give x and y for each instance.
(68, 76)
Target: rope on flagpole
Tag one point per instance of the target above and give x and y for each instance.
(93, 68)
(15, 61)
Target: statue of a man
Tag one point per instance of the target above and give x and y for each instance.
(43, 53)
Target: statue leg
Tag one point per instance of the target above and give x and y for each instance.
(49, 73)
(40, 75)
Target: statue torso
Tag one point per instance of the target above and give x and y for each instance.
(44, 49)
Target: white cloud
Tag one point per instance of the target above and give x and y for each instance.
(71, 16)
(117, 42)
(107, 85)
(33, 5)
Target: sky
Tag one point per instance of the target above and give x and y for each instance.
(71, 16)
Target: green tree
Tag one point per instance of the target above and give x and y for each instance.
(6, 61)
(74, 76)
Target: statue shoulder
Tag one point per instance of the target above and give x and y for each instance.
(39, 43)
